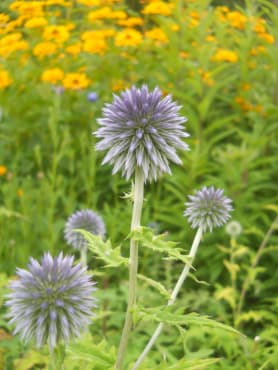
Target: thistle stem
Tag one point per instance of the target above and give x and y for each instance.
(173, 296)
(52, 362)
(83, 256)
(133, 265)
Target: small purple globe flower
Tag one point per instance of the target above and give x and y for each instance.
(92, 97)
(140, 129)
(208, 208)
(52, 301)
(86, 220)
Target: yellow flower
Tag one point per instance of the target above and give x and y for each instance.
(91, 35)
(225, 55)
(4, 18)
(266, 37)
(74, 49)
(36, 22)
(56, 33)
(28, 9)
(75, 81)
(20, 192)
(5, 79)
(184, 54)
(44, 49)
(206, 77)
(118, 85)
(95, 46)
(118, 14)
(3, 169)
(131, 22)
(89, 2)
(174, 27)
(102, 13)
(58, 2)
(52, 75)
(128, 37)
(157, 34)
(246, 86)
(210, 38)
(237, 20)
(158, 7)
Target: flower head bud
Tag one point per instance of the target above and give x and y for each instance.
(86, 220)
(140, 129)
(51, 301)
(92, 97)
(208, 208)
(233, 228)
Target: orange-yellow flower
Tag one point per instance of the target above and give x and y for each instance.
(52, 75)
(128, 37)
(131, 22)
(3, 169)
(95, 46)
(97, 34)
(158, 7)
(225, 55)
(28, 9)
(4, 19)
(102, 13)
(5, 79)
(210, 38)
(75, 81)
(36, 22)
(157, 34)
(237, 20)
(266, 37)
(56, 33)
(44, 49)
(74, 49)
(20, 192)
(89, 2)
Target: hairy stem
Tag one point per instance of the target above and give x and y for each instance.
(133, 265)
(173, 296)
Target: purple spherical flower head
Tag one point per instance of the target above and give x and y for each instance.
(86, 220)
(140, 129)
(51, 301)
(92, 97)
(208, 208)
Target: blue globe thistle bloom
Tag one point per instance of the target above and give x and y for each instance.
(92, 97)
(208, 208)
(51, 301)
(86, 220)
(140, 129)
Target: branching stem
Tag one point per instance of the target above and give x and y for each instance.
(173, 296)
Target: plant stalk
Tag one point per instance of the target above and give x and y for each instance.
(173, 296)
(133, 265)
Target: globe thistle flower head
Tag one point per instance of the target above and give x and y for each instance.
(208, 208)
(51, 301)
(86, 220)
(141, 129)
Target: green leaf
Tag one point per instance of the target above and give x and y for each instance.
(158, 243)
(196, 364)
(111, 256)
(158, 286)
(170, 315)
(94, 355)
(31, 359)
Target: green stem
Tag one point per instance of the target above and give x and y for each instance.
(173, 296)
(133, 265)
(52, 360)
(83, 256)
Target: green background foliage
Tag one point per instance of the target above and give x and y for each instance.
(52, 170)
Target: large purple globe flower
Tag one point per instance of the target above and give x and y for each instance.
(52, 301)
(140, 129)
(208, 208)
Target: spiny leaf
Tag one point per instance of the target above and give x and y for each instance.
(158, 286)
(170, 315)
(111, 256)
(158, 243)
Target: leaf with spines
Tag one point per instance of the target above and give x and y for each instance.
(158, 243)
(104, 250)
(156, 285)
(174, 316)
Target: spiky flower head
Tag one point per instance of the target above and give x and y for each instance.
(51, 301)
(86, 220)
(140, 129)
(208, 208)
(233, 228)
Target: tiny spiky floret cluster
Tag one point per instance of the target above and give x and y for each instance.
(208, 208)
(51, 301)
(140, 129)
(86, 220)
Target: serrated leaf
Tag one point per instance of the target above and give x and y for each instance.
(158, 243)
(196, 364)
(111, 256)
(156, 285)
(31, 359)
(228, 294)
(168, 315)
